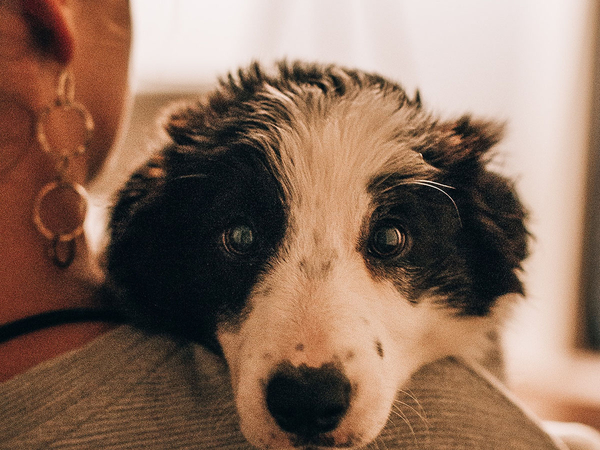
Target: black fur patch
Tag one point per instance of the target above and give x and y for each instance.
(466, 243)
(166, 257)
(431, 224)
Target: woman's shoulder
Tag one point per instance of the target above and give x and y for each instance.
(131, 389)
(125, 389)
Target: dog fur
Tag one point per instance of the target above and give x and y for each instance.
(324, 233)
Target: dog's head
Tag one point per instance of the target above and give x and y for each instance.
(327, 235)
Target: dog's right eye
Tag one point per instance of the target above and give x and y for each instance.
(387, 241)
(239, 240)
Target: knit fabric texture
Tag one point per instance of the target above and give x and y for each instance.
(130, 390)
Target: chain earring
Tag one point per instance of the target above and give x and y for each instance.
(59, 228)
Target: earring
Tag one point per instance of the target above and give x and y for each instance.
(59, 228)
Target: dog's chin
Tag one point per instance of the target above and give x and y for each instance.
(373, 375)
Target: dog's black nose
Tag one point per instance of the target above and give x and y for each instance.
(308, 401)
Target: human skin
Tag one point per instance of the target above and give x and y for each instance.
(38, 40)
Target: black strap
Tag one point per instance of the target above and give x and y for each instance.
(51, 319)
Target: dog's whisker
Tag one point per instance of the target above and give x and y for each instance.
(411, 395)
(436, 186)
(427, 183)
(399, 413)
(435, 183)
(422, 181)
(421, 411)
(421, 415)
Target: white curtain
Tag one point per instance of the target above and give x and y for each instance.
(523, 61)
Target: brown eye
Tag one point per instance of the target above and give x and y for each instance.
(239, 240)
(387, 241)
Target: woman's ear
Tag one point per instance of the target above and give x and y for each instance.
(50, 28)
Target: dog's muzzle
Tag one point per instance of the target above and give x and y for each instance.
(306, 401)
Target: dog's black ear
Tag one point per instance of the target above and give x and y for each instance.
(493, 238)
(134, 220)
(461, 144)
(151, 233)
(140, 191)
(189, 123)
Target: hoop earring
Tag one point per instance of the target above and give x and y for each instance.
(61, 232)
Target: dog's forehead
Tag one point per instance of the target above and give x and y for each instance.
(363, 130)
(331, 148)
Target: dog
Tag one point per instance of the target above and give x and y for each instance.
(327, 236)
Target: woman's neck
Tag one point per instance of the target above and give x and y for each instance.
(31, 284)
(34, 289)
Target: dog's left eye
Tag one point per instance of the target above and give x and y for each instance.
(387, 241)
(239, 240)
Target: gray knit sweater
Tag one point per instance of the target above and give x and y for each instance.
(128, 390)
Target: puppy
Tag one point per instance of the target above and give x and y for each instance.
(327, 236)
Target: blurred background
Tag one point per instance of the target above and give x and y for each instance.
(531, 63)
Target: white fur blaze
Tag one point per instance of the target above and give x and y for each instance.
(317, 303)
